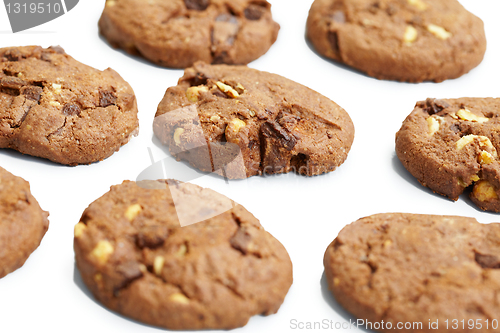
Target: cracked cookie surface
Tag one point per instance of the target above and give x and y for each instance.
(451, 144)
(136, 258)
(240, 122)
(54, 107)
(403, 40)
(177, 33)
(414, 268)
(22, 222)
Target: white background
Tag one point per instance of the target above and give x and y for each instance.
(305, 214)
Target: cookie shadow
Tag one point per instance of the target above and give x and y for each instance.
(29, 158)
(332, 302)
(406, 175)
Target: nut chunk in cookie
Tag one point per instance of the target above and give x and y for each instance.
(406, 268)
(452, 144)
(177, 33)
(55, 107)
(240, 122)
(403, 40)
(179, 256)
(22, 222)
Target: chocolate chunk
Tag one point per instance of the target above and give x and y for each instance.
(433, 106)
(151, 236)
(276, 145)
(488, 261)
(274, 130)
(241, 240)
(32, 92)
(13, 55)
(57, 49)
(129, 272)
(254, 12)
(107, 98)
(71, 110)
(197, 4)
(12, 82)
(334, 41)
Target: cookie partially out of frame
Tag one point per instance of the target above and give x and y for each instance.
(55, 107)
(241, 122)
(452, 144)
(22, 222)
(142, 254)
(403, 40)
(177, 33)
(405, 268)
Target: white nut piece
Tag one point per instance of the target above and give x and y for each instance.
(179, 298)
(214, 119)
(193, 93)
(465, 114)
(485, 158)
(227, 89)
(158, 265)
(419, 4)
(132, 212)
(438, 31)
(177, 135)
(80, 229)
(102, 251)
(484, 191)
(235, 125)
(410, 35)
(433, 123)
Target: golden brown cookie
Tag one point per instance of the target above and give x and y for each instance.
(22, 222)
(397, 269)
(55, 107)
(241, 122)
(177, 33)
(142, 254)
(451, 144)
(404, 40)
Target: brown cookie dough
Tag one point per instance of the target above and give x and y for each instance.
(451, 144)
(137, 260)
(405, 268)
(403, 40)
(241, 122)
(177, 33)
(22, 222)
(54, 107)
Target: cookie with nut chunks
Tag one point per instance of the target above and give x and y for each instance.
(407, 268)
(22, 222)
(55, 107)
(403, 40)
(181, 257)
(177, 33)
(452, 144)
(240, 122)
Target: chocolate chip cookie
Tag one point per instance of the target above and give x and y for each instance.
(397, 269)
(22, 222)
(180, 256)
(403, 40)
(177, 33)
(54, 107)
(451, 144)
(241, 122)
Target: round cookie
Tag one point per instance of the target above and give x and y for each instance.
(451, 144)
(22, 222)
(403, 40)
(394, 269)
(241, 122)
(54, 107)
(177, 33)
(142, 254)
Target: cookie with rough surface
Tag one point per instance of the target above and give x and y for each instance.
(142, 254)
(55, 107)
(241, 122)
(22, 222)
(405, 268)
(177, 33)
(452, 144)
(403, 40)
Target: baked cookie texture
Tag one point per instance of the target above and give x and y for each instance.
(177, 33)
(451, 144)
(137, 260)
(240, 122)
(22, 222)
(55, 107)
(403, 40)
(405, 268)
